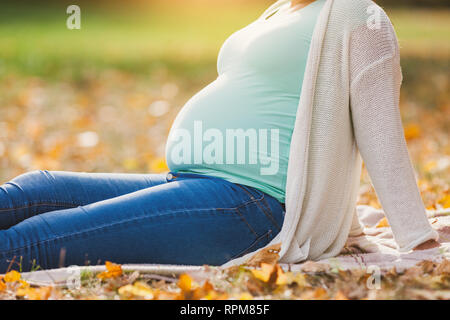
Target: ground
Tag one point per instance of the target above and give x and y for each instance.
(102, 99)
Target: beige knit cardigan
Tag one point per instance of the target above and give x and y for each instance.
(348, 108)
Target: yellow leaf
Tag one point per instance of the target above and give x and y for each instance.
(445, 201)
(298, 278)
(383, 223)
(112, 271)
(2, 285)
(137, 290)
(245, 296)
(264, 273)
(41, 293)
(24, 284)
(12, 276)
(430, 165)
(281, 276)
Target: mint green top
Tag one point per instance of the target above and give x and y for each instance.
(239, 127)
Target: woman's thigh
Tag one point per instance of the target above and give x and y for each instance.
(190, 220)
(37, 192)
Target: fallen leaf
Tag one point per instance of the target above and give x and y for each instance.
(320, 294)
(269, 255)
(445, 201)
(443, 268)
(12, 276)
(185, 282)
(112, 271)
(245, 296)
(138, 290)
(264, 273)
(2, 285)
(41, 293)
(340, 296)
(297, 278)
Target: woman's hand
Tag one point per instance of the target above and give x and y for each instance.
(427, 245)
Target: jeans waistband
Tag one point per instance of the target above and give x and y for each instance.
(179, 175)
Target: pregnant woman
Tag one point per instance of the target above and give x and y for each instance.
(268, 153)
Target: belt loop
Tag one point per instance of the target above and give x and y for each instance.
(170, 176)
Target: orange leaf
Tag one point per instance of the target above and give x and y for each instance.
(2, 285)
(320, 294)
(206, 291)
(41, 293)
(112, 271)
(12, 276)
(281, 276)
(264, 273)
(185, 282)
(340, 296)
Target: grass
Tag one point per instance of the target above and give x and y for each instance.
(35, 41)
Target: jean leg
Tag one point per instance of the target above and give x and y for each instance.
(187, 221)
(37, 192)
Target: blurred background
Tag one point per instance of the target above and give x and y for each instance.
(102, 98)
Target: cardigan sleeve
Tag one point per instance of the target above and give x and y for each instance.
(378, 130)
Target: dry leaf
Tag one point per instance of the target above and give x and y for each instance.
(340, 296)
(138, 290)
(12, 276)
(2, 285)
(297, 278)
(264, 273)
(272, 274)
(443, 268)
(269, 255)
(245, 296)
(185, 282)
(112, 271)
(445, 201)
(41, 293)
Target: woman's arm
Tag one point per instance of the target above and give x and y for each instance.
(374, 95)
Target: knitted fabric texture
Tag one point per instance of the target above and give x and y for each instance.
(348, 112)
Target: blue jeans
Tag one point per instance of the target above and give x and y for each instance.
(50, 219)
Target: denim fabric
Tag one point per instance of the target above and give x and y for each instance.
(54, 218)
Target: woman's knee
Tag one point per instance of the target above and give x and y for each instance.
(24, 188)
(33, 176)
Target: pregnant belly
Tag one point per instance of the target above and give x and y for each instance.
(236, 130)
